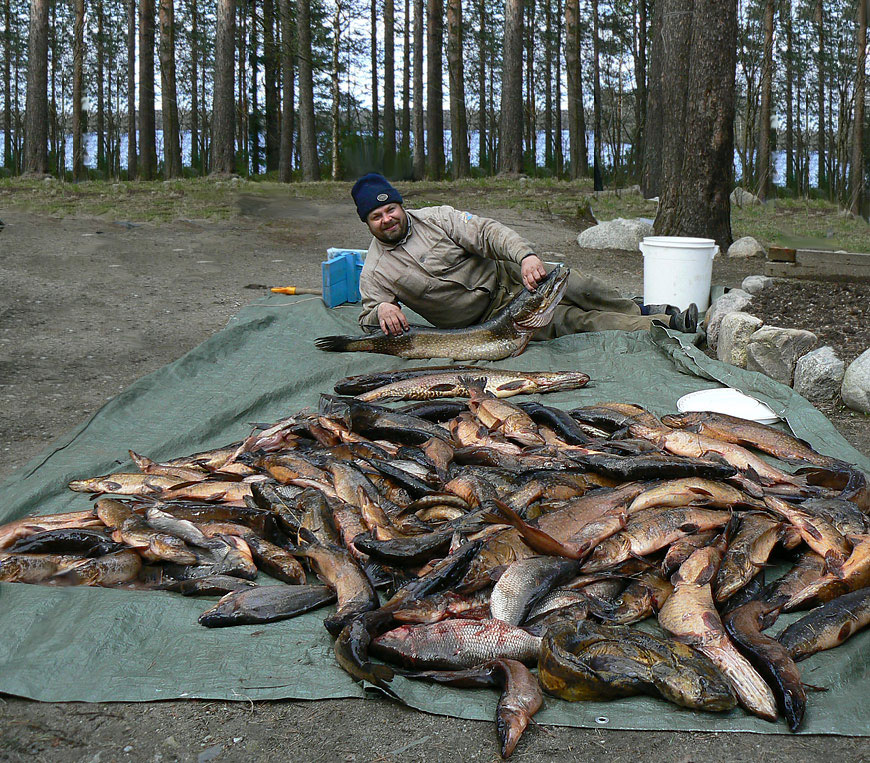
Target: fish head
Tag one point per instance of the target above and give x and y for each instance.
(531, 310)
(562, 380)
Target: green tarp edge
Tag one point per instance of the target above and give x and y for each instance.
(81, 644)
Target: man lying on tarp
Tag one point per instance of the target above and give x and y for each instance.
(457, 270)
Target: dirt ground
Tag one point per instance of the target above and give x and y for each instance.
(89, 305)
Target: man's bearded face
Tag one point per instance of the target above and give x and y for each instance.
(388, 223)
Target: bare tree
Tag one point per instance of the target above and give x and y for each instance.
(785, 15)
(78, 89)
(223, 109)
(307, 127)
(763, 161)
(434, 90)
(557, 95)
(458, 120)
(856, 184)
(419, 145)
(651, 168)
(36, 109)
(132, 164)
(285, 162)
(168, 96)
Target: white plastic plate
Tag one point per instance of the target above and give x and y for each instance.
(730, 401)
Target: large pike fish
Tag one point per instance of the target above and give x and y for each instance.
(505, 335)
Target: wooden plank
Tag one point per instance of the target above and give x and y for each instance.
(780, 254)
(844, 262)
(814, 272)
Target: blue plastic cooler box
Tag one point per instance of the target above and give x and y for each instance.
(341, 275)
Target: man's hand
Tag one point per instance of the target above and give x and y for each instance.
(392, 319)
(533, 271)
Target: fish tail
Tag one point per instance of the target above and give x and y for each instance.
(344, 344)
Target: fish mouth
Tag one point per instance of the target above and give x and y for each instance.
(566, 380)
(536, 311)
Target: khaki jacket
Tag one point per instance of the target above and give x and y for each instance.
(446, 269)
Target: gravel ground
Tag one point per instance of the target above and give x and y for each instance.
(87, 306)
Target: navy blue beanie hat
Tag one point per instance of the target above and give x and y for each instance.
(372, 191)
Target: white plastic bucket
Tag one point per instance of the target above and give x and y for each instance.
(677, 270)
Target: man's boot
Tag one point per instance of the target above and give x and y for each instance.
(686, 321)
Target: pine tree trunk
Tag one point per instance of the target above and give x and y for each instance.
(651, 168)
(597, 169)
(697, 161)
(511, 115)
(558, 156)
(789, 94)
(820, 63)
(132, 157)
(270, 86)
(285, 163)
(856, 183)
(168, 96)
(434, 90)
(78, 89)
(640, 73)
(147, 128)
(548, 81)
(405, 146)
(101, 78)
(483, 158)
(194, 92)
(223, 156)
(240, 89)
(307, 127)
(254, 112)
(8, 158)
(376, 74)
(336, 94)
(419, 137)
(458, 121)
(389, 87)
(764, 113)
(576, 119)
(36, 110)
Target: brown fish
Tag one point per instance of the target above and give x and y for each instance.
(456, 643)
(747, 554)
(690, 616)
(828, 625)
(109, 570)
(126, 484)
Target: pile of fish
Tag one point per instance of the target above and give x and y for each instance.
(469, 541)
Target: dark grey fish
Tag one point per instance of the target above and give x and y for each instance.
(265, 604)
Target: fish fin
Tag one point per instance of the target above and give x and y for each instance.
(536, 539)
(445, 387)
(333, 343)
(810, 687)
(512, 385)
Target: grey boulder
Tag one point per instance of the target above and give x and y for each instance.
(755, 284)
(733, 301)
(616, 234)
(774, 351)
(742, 198)
(746, 247)
(735, 331)
(855, 390)
(818, 375)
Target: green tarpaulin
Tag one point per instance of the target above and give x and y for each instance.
(61, 644)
